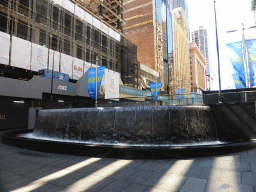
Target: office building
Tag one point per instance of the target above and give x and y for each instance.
(149, 25)
(200, 37)
(197, 69)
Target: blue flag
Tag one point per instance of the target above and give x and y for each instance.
(237, 81)
(236, 58)
(251, 48)
(92, 82)
(155, 91)
(180, 93)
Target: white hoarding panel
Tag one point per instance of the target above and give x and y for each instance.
(104, 28)
(39, 57)
(117, 36)
(87, 66)
(69, 6)
(66, 64)
(96, 23)
(4, 48)
(87, 17)
(79, 12)
(21, 53)
(111, 33)
(77, 68)
(111, 84)
(56, 58)
(59, 2)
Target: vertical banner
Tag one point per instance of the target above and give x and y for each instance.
(111, 84)
(180, 93)
(236, 58)
(92, 82)
(251, 48)
(155, 90)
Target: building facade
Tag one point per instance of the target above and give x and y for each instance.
(179, 69)
(197, 69)
(66, 36)
(149, 25)
(200, 37)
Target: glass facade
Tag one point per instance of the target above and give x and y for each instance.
(163, 17)
(54, 27)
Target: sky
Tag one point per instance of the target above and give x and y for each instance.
(230, 16)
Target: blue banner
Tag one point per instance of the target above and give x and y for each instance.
(251, 48)
(92, 82)
(154, 91)
(180, 93)
(237, 81)
(236, 58)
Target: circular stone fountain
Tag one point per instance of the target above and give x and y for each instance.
(126, 132)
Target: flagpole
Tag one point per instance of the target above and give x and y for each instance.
(218, 57)
(245, 60)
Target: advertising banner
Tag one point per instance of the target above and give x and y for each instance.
(4, 48)
(251, 48)
(92, 82)
(111, 84)
(155, 89)
(236, 58)
(77, 68)
(21, 53)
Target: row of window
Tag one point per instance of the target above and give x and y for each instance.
(60, 30)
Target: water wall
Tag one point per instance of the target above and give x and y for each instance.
(131, 125)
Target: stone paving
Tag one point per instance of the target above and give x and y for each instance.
(24, 170)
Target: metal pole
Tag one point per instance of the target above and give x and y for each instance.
(96, 83)
(245, 60)
(217, 47)
(52, 74)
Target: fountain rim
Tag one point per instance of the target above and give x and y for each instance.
(121, 151)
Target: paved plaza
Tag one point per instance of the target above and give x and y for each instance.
(24, 170)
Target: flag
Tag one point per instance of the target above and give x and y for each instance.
(237, 81)
(180, 93)
(92, 82)
(251, 49)
(155, 90)
(236, 58)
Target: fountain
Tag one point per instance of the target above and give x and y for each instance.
(126, 132)
(129, 125)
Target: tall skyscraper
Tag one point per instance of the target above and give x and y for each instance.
(150, 26)
(200, 37)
